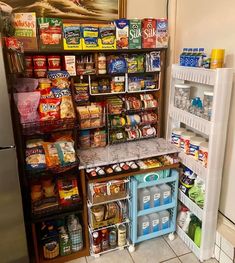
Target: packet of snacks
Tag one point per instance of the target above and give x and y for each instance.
(66, 152)
(59, 79)
(51, 153)
(35, 158)
(49, 109)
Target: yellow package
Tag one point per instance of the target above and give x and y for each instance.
(52, 157)
(66, 108)
(107, 37)
(72, 36)
(90, 36)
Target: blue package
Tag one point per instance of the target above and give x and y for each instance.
(117, 65)
(59, 93)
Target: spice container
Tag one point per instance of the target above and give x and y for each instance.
(96, 243)
(121, 235)
(207, 105)
(185, 141)
(104, 239)
(176, 136)
(195, 143)
(182, 96)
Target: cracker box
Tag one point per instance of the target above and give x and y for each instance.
(162, 33)
(50, 33)
(72, 36)
(122, 33)
(90, 36)
(149, 33)
(135, 34)
(107, 36)
(25, 29)
(70, 64)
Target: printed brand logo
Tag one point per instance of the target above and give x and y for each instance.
(162, 25)
(148, 33)
(135, 33)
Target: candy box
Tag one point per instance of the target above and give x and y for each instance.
(122, 33)
(148, 33)
(135, 34)
(90, 36)
(72, 36)
(162, 33)
(50, 33)
(107, 37)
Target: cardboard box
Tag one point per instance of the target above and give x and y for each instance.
(107, 37)
(135, 41)
(122, 33)
(72, 36)
(90, 37)
(149, 33)
(162, 36)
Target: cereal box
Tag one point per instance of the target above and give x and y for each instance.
(122, 33)
(107, 36)
(72, 36)
(50, 33)
(90, 36)
(149, 33)
(135, 34)
(162, 33)
(25, 29)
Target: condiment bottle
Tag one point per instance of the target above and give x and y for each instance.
(104, 239)
(113, 238)
(96, 242)
(121, 235)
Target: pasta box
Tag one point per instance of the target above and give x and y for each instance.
(148, 33)
(90, 36)
(122, 33)
(72, 36)
(50, 33)
(135, 34)
(162, 33)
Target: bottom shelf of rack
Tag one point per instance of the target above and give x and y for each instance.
(61, 259)
(159, 233)
(188, 241)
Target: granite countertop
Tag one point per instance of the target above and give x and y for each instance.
(124, 152)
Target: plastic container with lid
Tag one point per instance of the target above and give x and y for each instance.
(185, 141)
(182, 96)
(176, 135)
(207, 105)
(203, 153)
(195, 143)
(166, 196)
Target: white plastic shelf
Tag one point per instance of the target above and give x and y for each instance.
(188, 241)
(193, 207)
(193, 165)
(190, 120)
(199, 75)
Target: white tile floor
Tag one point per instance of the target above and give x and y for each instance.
(153, 251)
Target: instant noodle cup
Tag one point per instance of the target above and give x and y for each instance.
(53, 61)
(54, 69)
(39, 61)
(40, 72)
(28, 62)
(28, 73)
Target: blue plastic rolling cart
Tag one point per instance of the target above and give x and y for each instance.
(170, 177)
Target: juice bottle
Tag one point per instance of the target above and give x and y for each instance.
(143, 225)
(154, 222)
(182, 57)
(165, 194)
(155, 196)
(96, 242)
(104, 239)
(144, 199)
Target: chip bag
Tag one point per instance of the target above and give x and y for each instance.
(35, 158)
(59, 79)
(66, 152)
(51, 153)
(49, 109)
(66, 108)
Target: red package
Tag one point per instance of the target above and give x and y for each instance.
(49, 109)
(149, 33)
(46, 93)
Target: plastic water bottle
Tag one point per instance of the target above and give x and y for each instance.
(144, 199)
(164, 219)
(154, 222)
(188, 57)
(166, 197)
(143, 225)
(75, 233)
(155, 196)
(182, 57)
(193, 58)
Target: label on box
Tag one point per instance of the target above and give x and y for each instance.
(149, 33)
(24, 24)
(162, 33)
(122, 33)
(70, 65)
(135, 34)
(72, 36)
(107, 37)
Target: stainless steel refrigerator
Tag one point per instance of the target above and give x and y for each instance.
(13, 245)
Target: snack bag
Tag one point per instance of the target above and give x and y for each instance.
(162, 33)
(72, 36)
(66, 152)
(107, 37)
(90, 36)
(122, 33)
(34, 143)
(52, 157)
(135, 34)
(27, 104)
(59, 79)
(149, 33)
(49, 109)
(50, 32)
(117, 65)
(35, 158)
(46, 93)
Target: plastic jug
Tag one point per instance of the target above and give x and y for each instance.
(166, 197)
(144, 199)
(143, 225)
(75, 233)
(164, 219)
(155, 196)
(154, 222)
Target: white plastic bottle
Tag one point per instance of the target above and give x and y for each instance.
(144, 198)
(164, 219)
(186, 222)
(166, 197)
(143, 225)
(75, 233)
(155, 196)
(154, 222)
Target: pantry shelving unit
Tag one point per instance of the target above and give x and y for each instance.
(135, 213)
(220, 82)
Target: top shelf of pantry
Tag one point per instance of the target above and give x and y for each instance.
(77, 52)
(198, 75)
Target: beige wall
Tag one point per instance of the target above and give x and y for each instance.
(211, 24)
(147, 8)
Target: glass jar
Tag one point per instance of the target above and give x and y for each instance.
(182, 96)
(207, 105)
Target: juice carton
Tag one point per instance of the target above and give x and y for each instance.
(107, 36)
(148, 33)
(122, 33)
(162, 33)
(50, 32)
(90, 36)
(135, 34)
(72, 36)
(25, 29)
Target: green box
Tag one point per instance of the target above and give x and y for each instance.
(135, 39)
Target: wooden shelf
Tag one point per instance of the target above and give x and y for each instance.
(141, 171)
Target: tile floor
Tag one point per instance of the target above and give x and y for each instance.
(153, 251)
